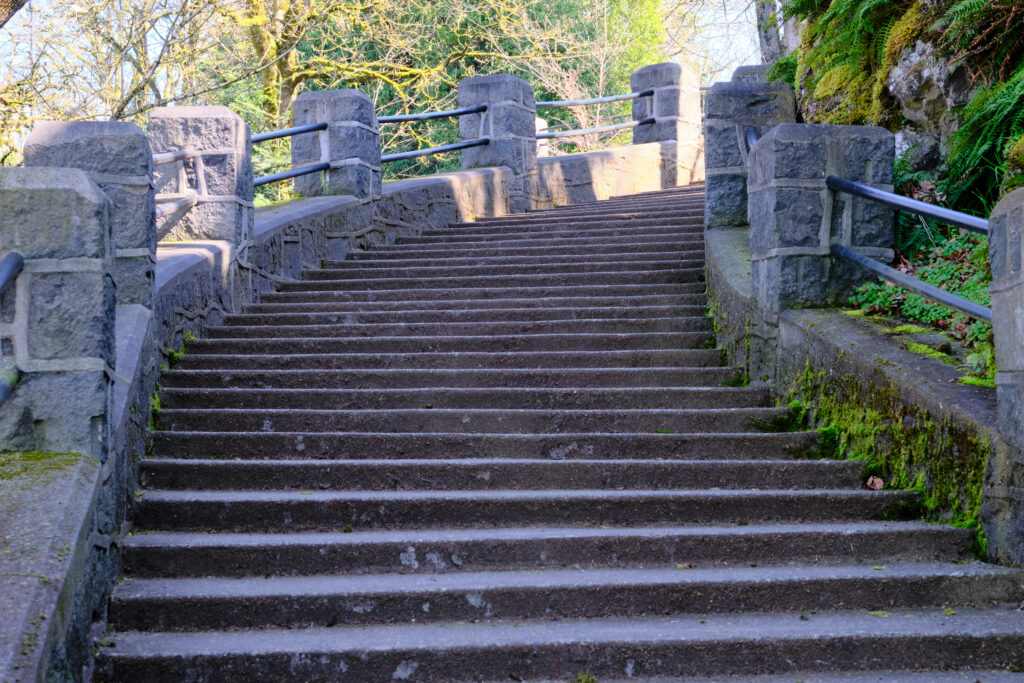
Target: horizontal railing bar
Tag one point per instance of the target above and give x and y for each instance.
(596, 100)
(10, 267)
(599, 129)
(412, 154)
(960, 220)
(293, 173)
(288, 132)
(915, 285)
(167, 208)
(161, 158)
(426, 116)
(8, 380)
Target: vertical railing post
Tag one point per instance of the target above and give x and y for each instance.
(675, 108)
(57, 322)
(510, 123)
(116, 156)
(794, 219)
(730, 109)
(1007, 290)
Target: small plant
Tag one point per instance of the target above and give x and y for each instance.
(584, 677)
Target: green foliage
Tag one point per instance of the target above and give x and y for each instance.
(913, 233)
(784, 70)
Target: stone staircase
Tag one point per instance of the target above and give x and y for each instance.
(508, 450)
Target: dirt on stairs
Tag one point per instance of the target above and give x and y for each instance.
(509, 450)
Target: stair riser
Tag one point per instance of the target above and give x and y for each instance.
(467, 306)
(398, 446)
(468, 420)
(655, 277)
(450, 329)
(303, 513)
(484, 294)
(602, 234)
(504, 269)
(384, 345)
(456, 475)
(593, 249)
(579, 223)
(605, 660)
(479, 315)
(533, 259)
(427, 606)
(618, 210)
(707, 360)
(452, 398)
(298, 558)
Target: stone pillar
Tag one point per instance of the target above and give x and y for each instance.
(57, 321)
(351, 144)
(1007, 290)
(794, 219)
(675, 107)
(220, 174)
(510, 124)
(751, 73)
(730, 109)
(117, 157)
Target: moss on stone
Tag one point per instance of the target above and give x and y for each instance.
(34, 464)
(978, 381)
(927, 351)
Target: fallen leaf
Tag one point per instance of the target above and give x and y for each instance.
(879, 567)
(685, 565)
(874, 483)
(879, 613)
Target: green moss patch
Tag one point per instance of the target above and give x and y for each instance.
(34, 464)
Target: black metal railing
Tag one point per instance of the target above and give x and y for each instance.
(10, 267)
(588, 131)
(426, 116)
(292, 172)
(288, 132)
(575, 132)
(426, 151)
(596, 100)
(960, 220)
(439, 149)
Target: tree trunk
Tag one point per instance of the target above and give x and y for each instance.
(768, 31)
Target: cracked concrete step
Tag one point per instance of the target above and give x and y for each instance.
(199, 604)
(440, 396)
(398, 445)
(704, 360)
(516, 260)
(510, 280)
(454, 315)
(695, 382)
(453, 306)
(619, 247)
(184, 554)
(599, 265)
(488, 473)
(473, 420)
(275, 511)
(582, 341)
(852, 640)
(658, 232)
(484, 296)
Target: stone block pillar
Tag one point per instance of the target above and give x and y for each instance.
(510, 124)
(117, 158)
(730, 109)
(794, 219)
(1007, 290)
(220, 174)
(57, 321)
(351, 144)
(675, 107)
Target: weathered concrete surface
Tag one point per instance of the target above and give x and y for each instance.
(675, 108)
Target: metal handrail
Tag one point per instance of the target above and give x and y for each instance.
(426, 116)
(10, 267)
(599, 129)
(914, 284)
(167, 208)
(960, 220)
(412, 154)
(161, 158)
(596, 100)
(293, 173)
(288, 132)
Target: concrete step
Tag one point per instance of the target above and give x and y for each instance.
(203, 604)
(707, 360)
(472, 420)
(508, 281)
(482, 295)
(453, 306)
(293, 511)
(675, 255)
(617, 247)
(489, 474)
(593, 265)
(468, 398)
(398, 446)
(609, 209)
(169, 554)
(581, 222)
(594, 234)
(410, 344)
(852, 640)
(454, 315)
